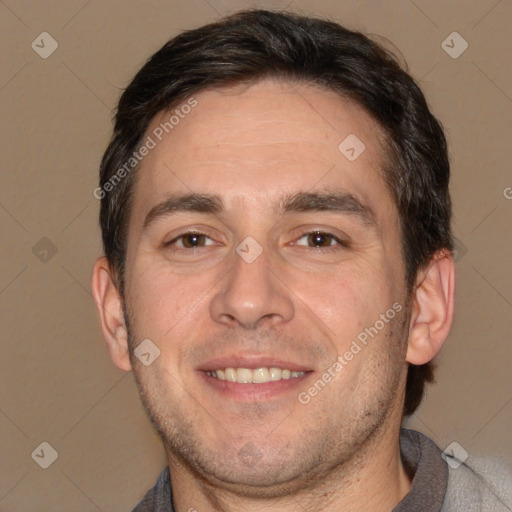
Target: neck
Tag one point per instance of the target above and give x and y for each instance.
(374, 479)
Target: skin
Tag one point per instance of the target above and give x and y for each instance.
(252, 146)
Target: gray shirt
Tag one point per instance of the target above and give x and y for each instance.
(435, 487)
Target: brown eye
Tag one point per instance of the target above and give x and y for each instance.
(191, 240)
(319, 239)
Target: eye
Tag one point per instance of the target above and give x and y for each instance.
(191, 241)
(319, 239)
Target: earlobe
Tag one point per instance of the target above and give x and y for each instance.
(433, 305)
(110, 310)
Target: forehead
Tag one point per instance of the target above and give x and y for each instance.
(260, 142)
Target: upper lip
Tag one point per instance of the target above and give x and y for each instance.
(251, 361)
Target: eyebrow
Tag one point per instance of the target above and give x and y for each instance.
(340, 202)
(200, 203)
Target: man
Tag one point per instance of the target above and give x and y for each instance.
(278, 270)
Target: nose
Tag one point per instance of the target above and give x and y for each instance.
(252, 296)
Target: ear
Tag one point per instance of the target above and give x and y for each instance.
(110, 309)
(433, 303)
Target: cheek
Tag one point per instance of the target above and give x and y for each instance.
(163, 302)
(346, 301)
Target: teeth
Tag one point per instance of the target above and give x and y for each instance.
(260, 375)
(230, 374)
(243, 375)
(275, 373)
(257, 376)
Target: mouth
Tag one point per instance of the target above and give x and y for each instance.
(251, 379)
(256, 376)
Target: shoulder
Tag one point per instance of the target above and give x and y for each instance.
(476, 484)
(479, 485)
(158, 498)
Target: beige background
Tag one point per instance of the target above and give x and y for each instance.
(58, 384)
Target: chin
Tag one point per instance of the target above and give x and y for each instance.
(254, 470)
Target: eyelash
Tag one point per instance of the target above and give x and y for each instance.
(183, 235)
(339, 241)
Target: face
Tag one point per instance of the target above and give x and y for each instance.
(264, 263)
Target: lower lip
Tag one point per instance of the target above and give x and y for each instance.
(253, 392)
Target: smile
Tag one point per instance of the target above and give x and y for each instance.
(254, 376)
